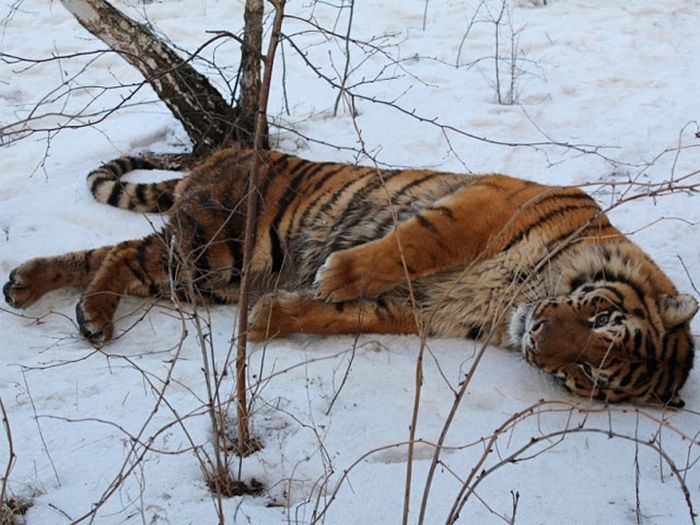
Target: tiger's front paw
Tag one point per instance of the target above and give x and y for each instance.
(347, 275)
(24, 286)
(94, 322)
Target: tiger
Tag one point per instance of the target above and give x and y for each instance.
(347, 249)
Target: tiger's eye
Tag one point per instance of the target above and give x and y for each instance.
(601, 319)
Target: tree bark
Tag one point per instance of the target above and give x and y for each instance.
(247, 104)
(208, 119)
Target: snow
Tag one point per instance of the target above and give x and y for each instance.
(619, 78)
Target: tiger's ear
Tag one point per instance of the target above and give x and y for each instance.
(677, 309)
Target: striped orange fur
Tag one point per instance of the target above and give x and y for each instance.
(346, 249)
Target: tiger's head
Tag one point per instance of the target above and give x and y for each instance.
(610, 337)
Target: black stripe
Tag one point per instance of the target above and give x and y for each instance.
(98, 181)
(560, 193)
(383, 227)
(319, 184)
(165, 198)
(138, 163)
(327, 176)
(475, 332)
(359, 200)
(141, 252)
(115, 194)
(637, 341)
(87, 265)
(556, 241)
(277, 252)
(140, 194)
(235, 248)
(136, 272)
(543, 219)
(357, 211)
(329, 203)
(640, 378)
(670, 357)
(617, 293)
(639, 313)
(274, 171)
(401, 192)
(299, 202)
(337, 194)
(580, 279)
(425, 223)
(123, 165)
(602, 275)
(650, 349)
(625, 338)
(626, 380)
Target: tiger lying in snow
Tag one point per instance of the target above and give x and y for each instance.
(535, 268)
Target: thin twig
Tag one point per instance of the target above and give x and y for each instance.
(11, 457)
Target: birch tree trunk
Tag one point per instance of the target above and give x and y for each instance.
(208, 119)
(247, 104)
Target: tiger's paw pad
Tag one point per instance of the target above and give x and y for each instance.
(18, 290)
(94, 325)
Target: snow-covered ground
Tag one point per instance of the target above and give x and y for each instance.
(619, 77)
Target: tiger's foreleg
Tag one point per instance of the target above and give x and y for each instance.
(36, 277)
(137, 267)
(278, 315)
(456, 230)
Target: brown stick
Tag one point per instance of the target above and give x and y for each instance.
(244, 441)
(11, 453)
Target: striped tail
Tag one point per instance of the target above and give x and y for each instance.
(149, 197)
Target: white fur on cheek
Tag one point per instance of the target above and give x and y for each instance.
(518, 326)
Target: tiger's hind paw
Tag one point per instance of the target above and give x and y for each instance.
(94, 325)
(264, 318)
(279, 315)
(20, 290)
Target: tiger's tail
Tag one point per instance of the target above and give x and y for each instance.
(149, 197)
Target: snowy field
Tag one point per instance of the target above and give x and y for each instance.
(116, 430)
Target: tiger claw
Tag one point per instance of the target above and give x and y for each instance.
(97, 331)
(6, 292)
(12, 290)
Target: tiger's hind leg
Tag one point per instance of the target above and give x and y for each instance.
(36, 277)
(281, 314)
(137, 267)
